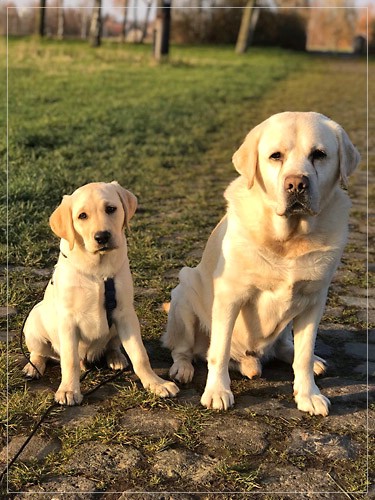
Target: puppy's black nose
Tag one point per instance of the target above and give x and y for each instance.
(102, 237)
(296, 184)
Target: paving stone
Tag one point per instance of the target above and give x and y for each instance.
(75, 415)
(184, 464)
(153, 423)
(62, 488)
(367, 316)
(360, 350)
(37, 448)
(360, 302)
(330, 446)
(7, 336)
(104, 461)
(366, 368)
(7, 311)
(313, 483)
(229, 435)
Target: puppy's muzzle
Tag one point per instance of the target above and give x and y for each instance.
(297, 191)
(102, 238)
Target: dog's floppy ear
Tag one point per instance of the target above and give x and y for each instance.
(349, 156)
(61, 221)
(245, 159)
(128, 200)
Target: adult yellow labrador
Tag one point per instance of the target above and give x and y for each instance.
(268, 264)
(71, 323)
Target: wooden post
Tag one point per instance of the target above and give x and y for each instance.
(96, 24)
(42, 18)
(162, 30)
(243, 34)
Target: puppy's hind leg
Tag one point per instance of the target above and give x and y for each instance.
(113, 355)
(180, 338)
(40, 349)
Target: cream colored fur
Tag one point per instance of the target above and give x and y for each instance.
(70, 323)
(268, 264)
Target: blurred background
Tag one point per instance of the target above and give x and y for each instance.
(312, 25)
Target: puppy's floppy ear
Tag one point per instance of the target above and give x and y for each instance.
(128, 200)
(349, 156)
(61, 221)
(245, 159)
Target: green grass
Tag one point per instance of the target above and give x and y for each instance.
(166, 132)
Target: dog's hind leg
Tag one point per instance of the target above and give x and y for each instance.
(180, 338)
(113, 355)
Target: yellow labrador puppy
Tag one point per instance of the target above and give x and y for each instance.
(71, 323)
(268, 264)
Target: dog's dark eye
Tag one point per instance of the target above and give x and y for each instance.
(82, 215)
(318, 154)
(276, 156)
(110, 210)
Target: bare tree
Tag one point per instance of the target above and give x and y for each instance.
(42, 18)
(147, 17)
(247, 28)
(162, 29)
(60, 19)
(124, 21)
(96, 24)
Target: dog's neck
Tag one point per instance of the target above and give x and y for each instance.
(96, 266)
(279, 234)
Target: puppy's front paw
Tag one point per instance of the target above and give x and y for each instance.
(35, 370)
(70, 398)
(217, 399)
(182, 371)
(162, 387)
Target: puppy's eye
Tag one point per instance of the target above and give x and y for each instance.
(83, 216)
(318, 154)
(110, 210)
(276, 156)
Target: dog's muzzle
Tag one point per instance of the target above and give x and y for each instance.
(297, 192)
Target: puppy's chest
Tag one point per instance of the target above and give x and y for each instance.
(90, 310)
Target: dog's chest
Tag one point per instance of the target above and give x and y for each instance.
(90, 312)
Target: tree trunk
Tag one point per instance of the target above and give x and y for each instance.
(96, 24)
(42, 18)
(243, 34)
(144, 31)
(162, 30)
(60, 19)
(124, 21)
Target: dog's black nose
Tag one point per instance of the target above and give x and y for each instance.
(102, 237)
(296, 184)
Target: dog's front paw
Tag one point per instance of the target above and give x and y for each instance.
(312, 402)
(70, 398)
(162, 388)
(182, 371)
(217, 399)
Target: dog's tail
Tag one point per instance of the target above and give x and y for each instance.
(166, 306)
